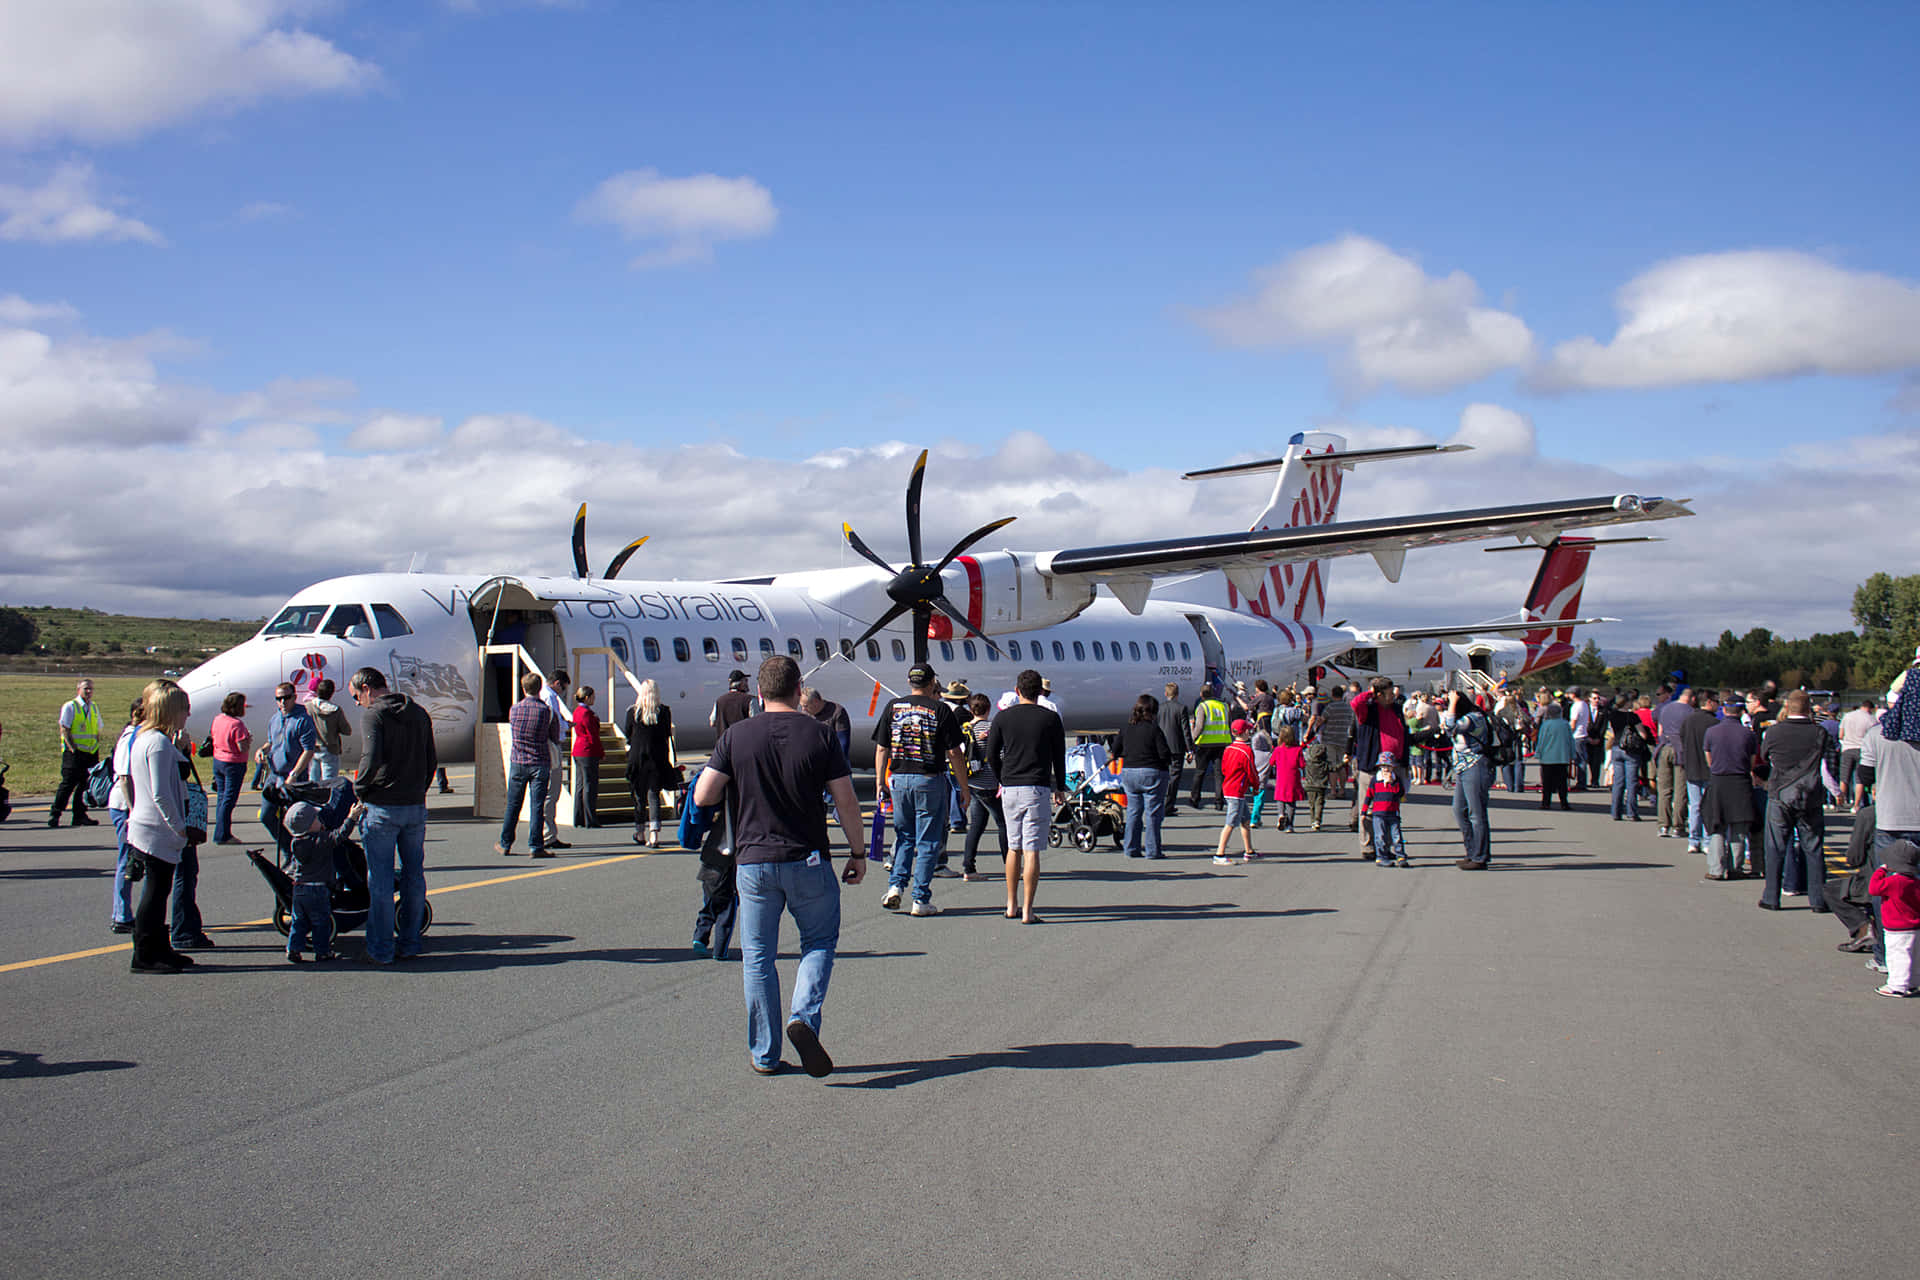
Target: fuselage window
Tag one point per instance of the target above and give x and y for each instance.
(1133, 650)
(766, 647)
(297, 620)
(1059, 652)
(993, 653)
(619, 646)
(846, 647)
(682, 651)
(795, 649)
(820, 649)
(391, 623)
(1185, 652)
(1099, 654)
(899, 651)
(650, 648)
(347, 618)
(1013, 650)
(946, 651)
(711, 648)
(739, 649)
(873, 651)
(1153, 652)
(1079, 652)
(973, 654)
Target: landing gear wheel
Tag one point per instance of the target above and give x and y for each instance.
(1084, 837)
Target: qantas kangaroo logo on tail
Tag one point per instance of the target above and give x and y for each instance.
(1555, 596)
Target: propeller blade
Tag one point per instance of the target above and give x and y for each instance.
(862, 549)
(922, 616)
(881, 625)
(946, 606)
(914, 482)
(969, 540)
(620, 561)
(580, 542)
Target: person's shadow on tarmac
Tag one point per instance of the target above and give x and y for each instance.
(1071, 1056)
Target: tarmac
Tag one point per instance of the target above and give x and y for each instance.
(1584, 1062)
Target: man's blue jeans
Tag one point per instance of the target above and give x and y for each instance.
(324, 767)
(312, 916)
(1470, 790)
(227, 777)
(1696, 815)
(525, 777)
(1626, 787)
(122, 889)
(1146, 809)
(184, 909)
(391, 829)
(812, 895)
(920, 828)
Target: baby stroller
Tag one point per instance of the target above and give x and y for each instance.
(349, 893)
(1095, 805)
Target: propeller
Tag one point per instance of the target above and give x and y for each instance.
(580, 548)
(916, 589)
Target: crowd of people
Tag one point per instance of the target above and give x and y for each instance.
(1746, 778)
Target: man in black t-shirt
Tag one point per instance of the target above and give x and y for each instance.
(771, 770)
(919, 740)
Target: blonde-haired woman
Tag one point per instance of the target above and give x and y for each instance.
(157, 820)
(650, 760)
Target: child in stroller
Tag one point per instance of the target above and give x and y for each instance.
(1095, 805)
(334, 799)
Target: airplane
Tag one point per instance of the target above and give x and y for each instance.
(1104, 623)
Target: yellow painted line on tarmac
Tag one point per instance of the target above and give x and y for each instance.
(254, 924)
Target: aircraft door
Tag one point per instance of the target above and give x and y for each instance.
(614, 701)
(1210, 647)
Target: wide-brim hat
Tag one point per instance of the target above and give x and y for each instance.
(957, 691)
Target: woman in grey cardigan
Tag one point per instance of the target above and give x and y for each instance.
(157, 821)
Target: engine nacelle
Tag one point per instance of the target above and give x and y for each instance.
(1000, 591)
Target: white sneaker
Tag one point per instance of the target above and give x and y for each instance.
(1220, 860)
(1666, 832)
(890, 899)
(923, 909)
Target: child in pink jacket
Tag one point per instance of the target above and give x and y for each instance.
(1896, 882)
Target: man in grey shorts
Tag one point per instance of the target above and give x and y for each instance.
(1027, 751)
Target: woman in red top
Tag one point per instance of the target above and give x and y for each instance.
(587, 754)
(232, 748)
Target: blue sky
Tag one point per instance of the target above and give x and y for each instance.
(963, 223)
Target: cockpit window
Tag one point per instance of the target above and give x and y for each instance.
(345, 618)
(297, 620)
(391, 623)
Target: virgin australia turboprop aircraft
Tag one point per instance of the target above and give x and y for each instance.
(1104, 623)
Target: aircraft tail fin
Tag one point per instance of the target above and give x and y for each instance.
(1554, 598)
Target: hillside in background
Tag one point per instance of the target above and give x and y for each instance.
(79, 637)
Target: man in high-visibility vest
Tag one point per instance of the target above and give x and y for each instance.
(79, 752)
(1212, 731)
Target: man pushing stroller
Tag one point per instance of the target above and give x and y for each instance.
(313, 850)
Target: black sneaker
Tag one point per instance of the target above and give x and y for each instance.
(806, 1043)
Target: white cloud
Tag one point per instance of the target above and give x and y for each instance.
(1733, 317)
(113, 70)
(262, 210)
(66, 208)
(395, 433)
(91, 390)
(1496, 431)
(1385, 319)
(16, 310)
(684, 216)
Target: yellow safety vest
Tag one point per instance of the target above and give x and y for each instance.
(85, 729)
(1213, 731)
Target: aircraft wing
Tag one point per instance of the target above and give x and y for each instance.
(1386, 540)
(1482, 629)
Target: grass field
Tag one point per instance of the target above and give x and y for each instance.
(30, 710)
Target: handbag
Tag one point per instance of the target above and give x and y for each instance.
(206, 747)
(196, 797)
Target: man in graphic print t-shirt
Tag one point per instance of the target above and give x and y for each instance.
(918, 738)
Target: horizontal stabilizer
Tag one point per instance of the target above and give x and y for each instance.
(1509, 628)
(1341, 457)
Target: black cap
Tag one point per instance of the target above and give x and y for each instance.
(736, 674)
(920, 673)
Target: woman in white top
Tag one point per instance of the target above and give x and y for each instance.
(119, 801)
(157, 820)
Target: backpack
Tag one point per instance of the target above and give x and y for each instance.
(100, 783)
(1501, 746)
(975, 732)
